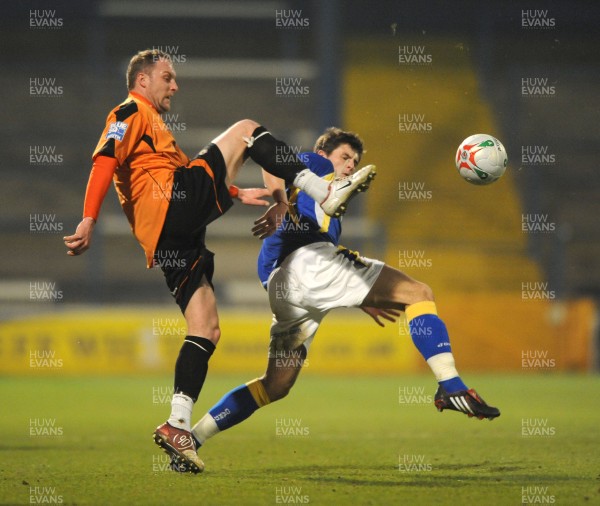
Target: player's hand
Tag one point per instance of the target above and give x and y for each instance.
(80, 240)
(253, 196)
(267, 224)
(377, 313)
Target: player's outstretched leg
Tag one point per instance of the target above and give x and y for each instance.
(430, 336)
(395, 289)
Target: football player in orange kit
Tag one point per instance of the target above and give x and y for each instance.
(169, 199)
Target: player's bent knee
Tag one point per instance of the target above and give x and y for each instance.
(247, 126)
(423, 292)
(213, 334)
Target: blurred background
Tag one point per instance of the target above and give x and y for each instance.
(513, 265)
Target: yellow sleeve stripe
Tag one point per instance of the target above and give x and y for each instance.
(258, 392)
(419, 309)
(325, 224)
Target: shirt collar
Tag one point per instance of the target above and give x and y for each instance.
(142, 98)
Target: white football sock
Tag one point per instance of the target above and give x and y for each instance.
(205, 428)
(181, 411)
(312, 185)
(443, 366)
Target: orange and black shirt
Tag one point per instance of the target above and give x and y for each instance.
(147, 156)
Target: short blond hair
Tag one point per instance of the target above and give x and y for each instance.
(140, 63)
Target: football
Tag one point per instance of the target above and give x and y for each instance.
(481, 159)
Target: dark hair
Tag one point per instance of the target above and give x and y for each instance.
(333, 137)
(140, 63)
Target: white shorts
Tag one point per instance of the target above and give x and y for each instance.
(310, 282)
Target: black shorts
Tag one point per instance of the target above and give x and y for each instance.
(199, 196)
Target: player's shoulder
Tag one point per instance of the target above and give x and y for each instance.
(131, 107)
(125, 110)
(123, 116)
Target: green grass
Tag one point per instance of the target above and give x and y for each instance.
(356, 433)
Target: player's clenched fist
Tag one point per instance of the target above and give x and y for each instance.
(80, 240)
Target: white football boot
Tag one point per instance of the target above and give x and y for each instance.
(342, 189)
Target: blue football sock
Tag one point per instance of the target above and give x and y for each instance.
(233, 408)
(453, 385)
(239, 404)
(430, 337)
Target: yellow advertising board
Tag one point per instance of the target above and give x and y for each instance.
(137, 340)
(503, 334)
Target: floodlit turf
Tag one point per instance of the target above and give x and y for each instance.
(350, 440)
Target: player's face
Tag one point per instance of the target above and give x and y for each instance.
(161, 85)
(344, 160)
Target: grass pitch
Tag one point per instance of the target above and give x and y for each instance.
(334, 440)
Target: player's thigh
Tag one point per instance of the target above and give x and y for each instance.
(294, 322)
(232, 145)
(201, 314)
(395, 289)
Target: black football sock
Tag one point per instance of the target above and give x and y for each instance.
(192, 365)
(274, 155)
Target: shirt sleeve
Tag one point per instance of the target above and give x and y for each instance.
(100, 178)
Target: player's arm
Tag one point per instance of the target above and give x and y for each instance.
(98, 183)
(122, 132)
(267, 224)
(276, 187)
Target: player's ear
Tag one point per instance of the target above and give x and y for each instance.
(322, 153)
(142, 79)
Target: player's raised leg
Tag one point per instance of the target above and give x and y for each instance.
(246, 138)
(394, 289)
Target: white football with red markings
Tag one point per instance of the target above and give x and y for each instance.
(481, 159)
